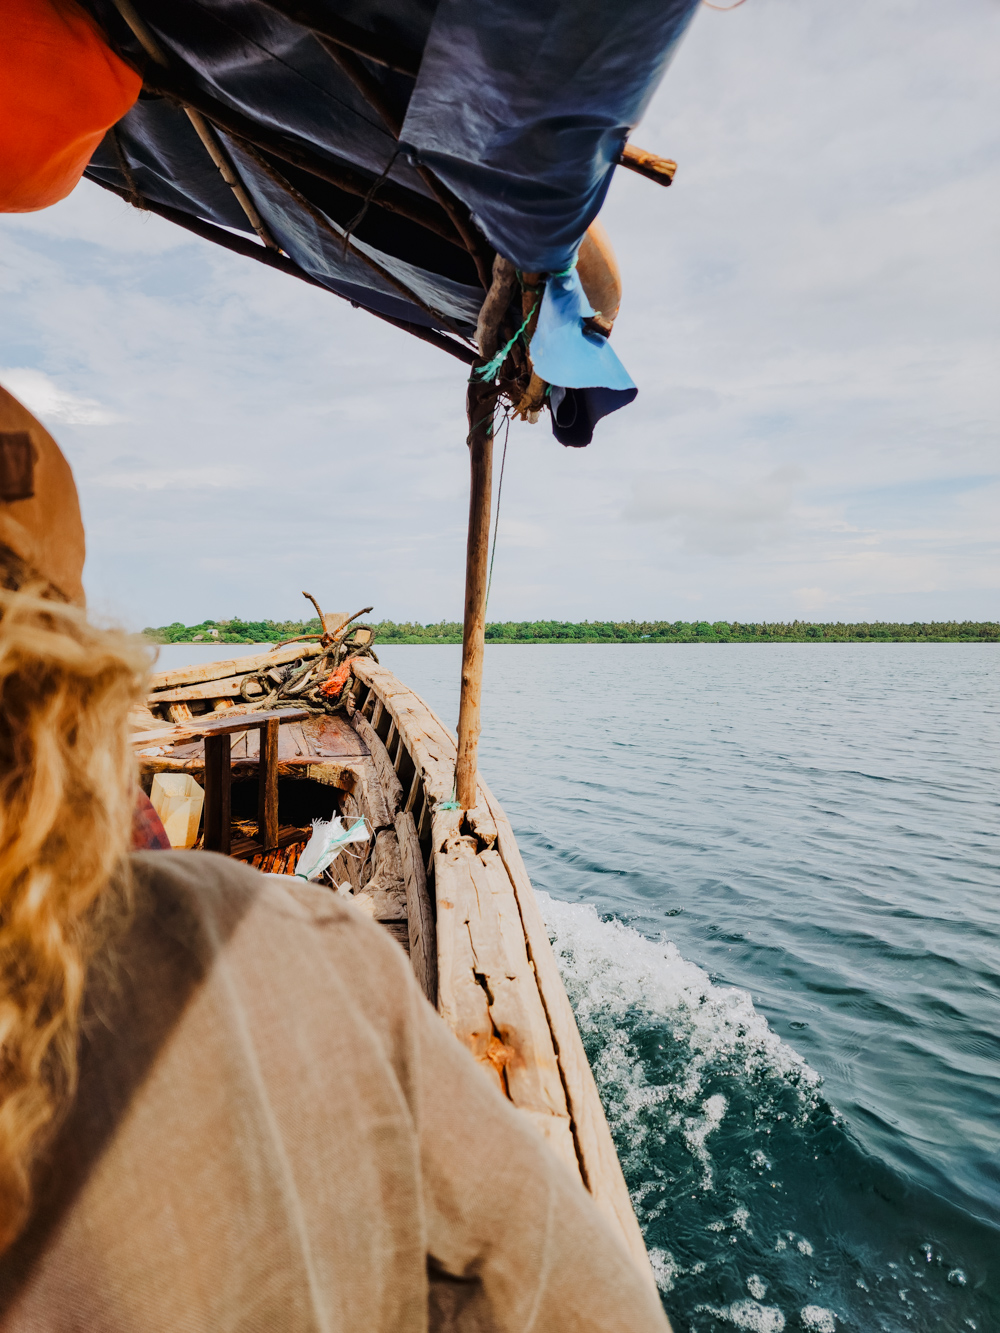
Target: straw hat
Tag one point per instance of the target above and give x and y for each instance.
(39, 508)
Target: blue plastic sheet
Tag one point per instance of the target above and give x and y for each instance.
(520, 107)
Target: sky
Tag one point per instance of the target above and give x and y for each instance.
(811, 313)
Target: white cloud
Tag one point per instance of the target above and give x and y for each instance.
(712, 514)
(41, 395)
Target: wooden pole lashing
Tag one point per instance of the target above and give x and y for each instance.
(482, 401)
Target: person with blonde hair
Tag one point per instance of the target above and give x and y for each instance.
(224, 1103)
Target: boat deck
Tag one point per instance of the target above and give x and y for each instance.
(449, 885)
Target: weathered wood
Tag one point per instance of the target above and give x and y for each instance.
(246, 849)
(462, 1001)
(196, 728)
(480, 822)
(235, 666)
(218, 809)
(398, 931)
(483, 900)
(179, 713)
(419, 911)
(367, 791)
(659, 169)
(392, 789)
(384, 895)
(229, 687)
(495, 306)
(267, 785)
(428, 743)
(598, 1159)
(141, 719)
(461, 997)
(481, 403)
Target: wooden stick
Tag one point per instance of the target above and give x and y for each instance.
(324, 223)
(392, 197)
(381, 49)
(482, 401)
(368, 86)
(659, 169)
(227, 171)
(218, 793)
(250, 249)
(371, 90)
(267, 785)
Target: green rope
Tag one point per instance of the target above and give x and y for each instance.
(492, 368)
(453, 803)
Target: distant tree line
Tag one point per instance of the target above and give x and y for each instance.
(596, 631)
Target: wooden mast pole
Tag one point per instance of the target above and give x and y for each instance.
(481, 402)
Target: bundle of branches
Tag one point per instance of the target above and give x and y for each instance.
(319, 684)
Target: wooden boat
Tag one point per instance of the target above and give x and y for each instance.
(442, 168)
(448, 884)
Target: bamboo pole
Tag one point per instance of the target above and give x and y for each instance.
(482, 400)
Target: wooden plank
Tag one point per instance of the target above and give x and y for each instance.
(428, 743)
(397, 929)
(235, 666)
(662, 170)
(179, 712)
(368, 793)
(598, 1159)
(245, 849)
(267, 785)
(462, 1001)
(532, 1070)
(419, 911)
(481, 949)
(218, 807)
(387, 866)
(229, 687)
(392, 789)
(215, 726)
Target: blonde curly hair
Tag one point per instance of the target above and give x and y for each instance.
(67, 791)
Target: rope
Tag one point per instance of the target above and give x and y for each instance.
(722, 8)
(359, 217)
(496, 521)
(134, 193)
(492, 368)
(453, 803)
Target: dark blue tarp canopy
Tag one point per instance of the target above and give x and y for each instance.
(349, 118)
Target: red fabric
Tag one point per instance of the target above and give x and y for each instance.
(148, 833)
(334, 683)
(61, 89)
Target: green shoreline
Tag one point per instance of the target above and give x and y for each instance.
(238, 631)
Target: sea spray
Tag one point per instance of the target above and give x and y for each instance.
(735, 1161)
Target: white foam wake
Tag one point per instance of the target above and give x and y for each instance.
(612, 972)
(623, 985)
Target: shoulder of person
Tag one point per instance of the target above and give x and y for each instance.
(185, 890)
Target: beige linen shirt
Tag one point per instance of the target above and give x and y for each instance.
(275, 1131)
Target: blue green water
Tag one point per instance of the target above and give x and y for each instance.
(772, 882)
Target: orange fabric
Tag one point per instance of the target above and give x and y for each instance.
(334, 683)
(61, 90)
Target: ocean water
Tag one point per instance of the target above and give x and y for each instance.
(771, 877)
